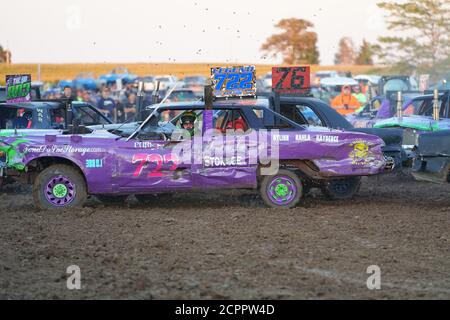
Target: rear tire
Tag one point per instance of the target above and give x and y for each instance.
(342, 189)
(283, 190)
(59, 186)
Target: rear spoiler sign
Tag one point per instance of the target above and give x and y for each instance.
(18, 88)
(234, 82)
(291, 79)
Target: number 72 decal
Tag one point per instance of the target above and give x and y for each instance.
(159, 161)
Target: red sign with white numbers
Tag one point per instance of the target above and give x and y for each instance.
(290, 79)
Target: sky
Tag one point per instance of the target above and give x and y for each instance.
(78, 31)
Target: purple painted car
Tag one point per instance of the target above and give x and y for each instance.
(183, 147)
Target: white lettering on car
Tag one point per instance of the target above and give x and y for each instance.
(220, 162)
(284, 138)
(302, 137)
(327, 139)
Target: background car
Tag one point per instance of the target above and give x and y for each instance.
(195, 83)
(119, 73)
(433, 157)
(48, 115)
(381, 107)
(181, 95)
(417, 113)
(319, 75)
(310, 111)
(85, 80)
(149, 82)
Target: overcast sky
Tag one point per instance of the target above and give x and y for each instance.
(57, 31)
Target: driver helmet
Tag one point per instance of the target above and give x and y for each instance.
(188, 118)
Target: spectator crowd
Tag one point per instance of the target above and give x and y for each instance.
(117, 104)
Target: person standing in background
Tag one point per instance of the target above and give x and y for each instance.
(87, 98)
(120, 112)
(362, 99)
(68, 94)
(106, 105)
(345, 103)
(130, 106)
(79, 95)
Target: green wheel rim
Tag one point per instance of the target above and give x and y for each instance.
(60, 190)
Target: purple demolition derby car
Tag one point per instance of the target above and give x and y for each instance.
(182, 147)
(236, 142)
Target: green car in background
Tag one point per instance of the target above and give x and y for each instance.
(418, 117)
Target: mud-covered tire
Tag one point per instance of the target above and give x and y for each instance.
(283, 190)
(59, 186)
(153, 198)
(109, 199)
(341, 189)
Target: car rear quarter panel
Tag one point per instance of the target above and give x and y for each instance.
(335, 153)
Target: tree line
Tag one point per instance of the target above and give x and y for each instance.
(418, 40)
(5, 55)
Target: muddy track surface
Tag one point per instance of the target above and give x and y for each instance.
(228, 245)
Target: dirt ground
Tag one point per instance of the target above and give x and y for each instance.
(229, 246)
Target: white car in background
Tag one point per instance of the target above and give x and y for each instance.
(320, 75)
(368, 79)
(149, 83)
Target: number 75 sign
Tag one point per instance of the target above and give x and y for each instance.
(290, 79)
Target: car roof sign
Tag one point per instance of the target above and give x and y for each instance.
(291, 80)
(18, 88)
(234, 82)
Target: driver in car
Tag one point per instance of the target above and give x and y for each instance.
(23, 119)
(188, 121)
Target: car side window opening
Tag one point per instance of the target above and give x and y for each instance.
(177, 120)
(446, 107)
(413, 107)
(442, 108)
(375, 104)
(16, 118)
(166, 122)
(292, 112)
(88, 116)
(271, 120)
(230, 120)
(311, 117)
(426, 108)
(259, 113)
(57, 119)
(7, 116)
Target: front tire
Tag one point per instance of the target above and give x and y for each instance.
(283, 190)
(342, 189)
(59, 186)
